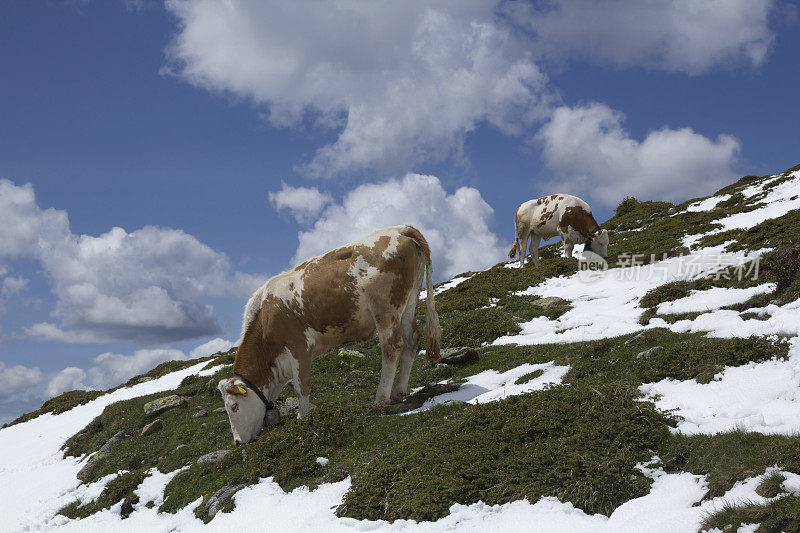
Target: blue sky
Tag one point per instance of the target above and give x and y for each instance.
(227, 141)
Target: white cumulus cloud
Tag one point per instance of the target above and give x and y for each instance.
(145, 286)
(402, 82)
(591, 155)
(211, 347)
(304, 203)
(110, 369)
(457, 225)
(673, 35)
(17, 378)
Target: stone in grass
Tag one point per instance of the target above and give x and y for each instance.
(416, 400)
(211, 386)
(549, 301)
(101, 454)
(199, 414)
(648, 353)
(219, 410)
(347, 352)
(289, 406)
(152, 427)
(457, 356)
(213, 457)
(162, 404)
(218, 500)
(639, 336)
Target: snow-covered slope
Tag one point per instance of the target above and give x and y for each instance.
(36, 479)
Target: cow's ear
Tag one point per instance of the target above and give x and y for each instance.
(237, 390)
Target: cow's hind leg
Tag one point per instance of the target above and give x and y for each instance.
(535, 240)
(392, 346)
(523, 248)
(408, 324)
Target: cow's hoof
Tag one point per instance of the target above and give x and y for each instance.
(397, 397)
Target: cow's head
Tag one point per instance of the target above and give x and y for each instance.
(245, 409)
(599, 242)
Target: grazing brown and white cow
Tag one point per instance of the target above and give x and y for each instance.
(342, 296)
(558, 214)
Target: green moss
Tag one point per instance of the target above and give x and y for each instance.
(118, 489)
(746, 181)
(683, 356)
(675, 290)
(530, 376)
(59, 404)
(476, 327)
(777, 516)
(497, 282)
(728, 458)
(770, 233)
(580, 443)
(770, 486)
(483, 308)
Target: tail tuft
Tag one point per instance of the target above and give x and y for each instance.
(513, 252)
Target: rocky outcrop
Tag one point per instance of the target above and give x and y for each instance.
(218, 500)
(152, 427)
(162, 404)
(458, 356)
(213, 457)
(101, 454)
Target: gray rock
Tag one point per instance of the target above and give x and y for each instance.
(547, 302)
(272, 417)
(416, 400)
(639, 336)
(144, 379)
(152, 427)
(201, 413)
(162, 404)
(101, 454)
(289, 407)
(347, 352)
(213, 457)
(218, 500)
(648, 353)
(219, 410)
(456, 356)
(211, 386)
(455, 402)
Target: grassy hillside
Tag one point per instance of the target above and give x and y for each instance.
(582, 440)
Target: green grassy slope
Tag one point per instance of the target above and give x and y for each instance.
(579, 441)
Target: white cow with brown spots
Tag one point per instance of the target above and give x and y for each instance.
(561, 215)
(342, 296)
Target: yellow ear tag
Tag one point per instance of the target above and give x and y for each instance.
(237, 390)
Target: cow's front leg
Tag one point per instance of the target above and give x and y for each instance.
(568, 246)
(302, 386)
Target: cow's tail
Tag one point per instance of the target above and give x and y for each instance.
(434, 331)
(513, 252)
